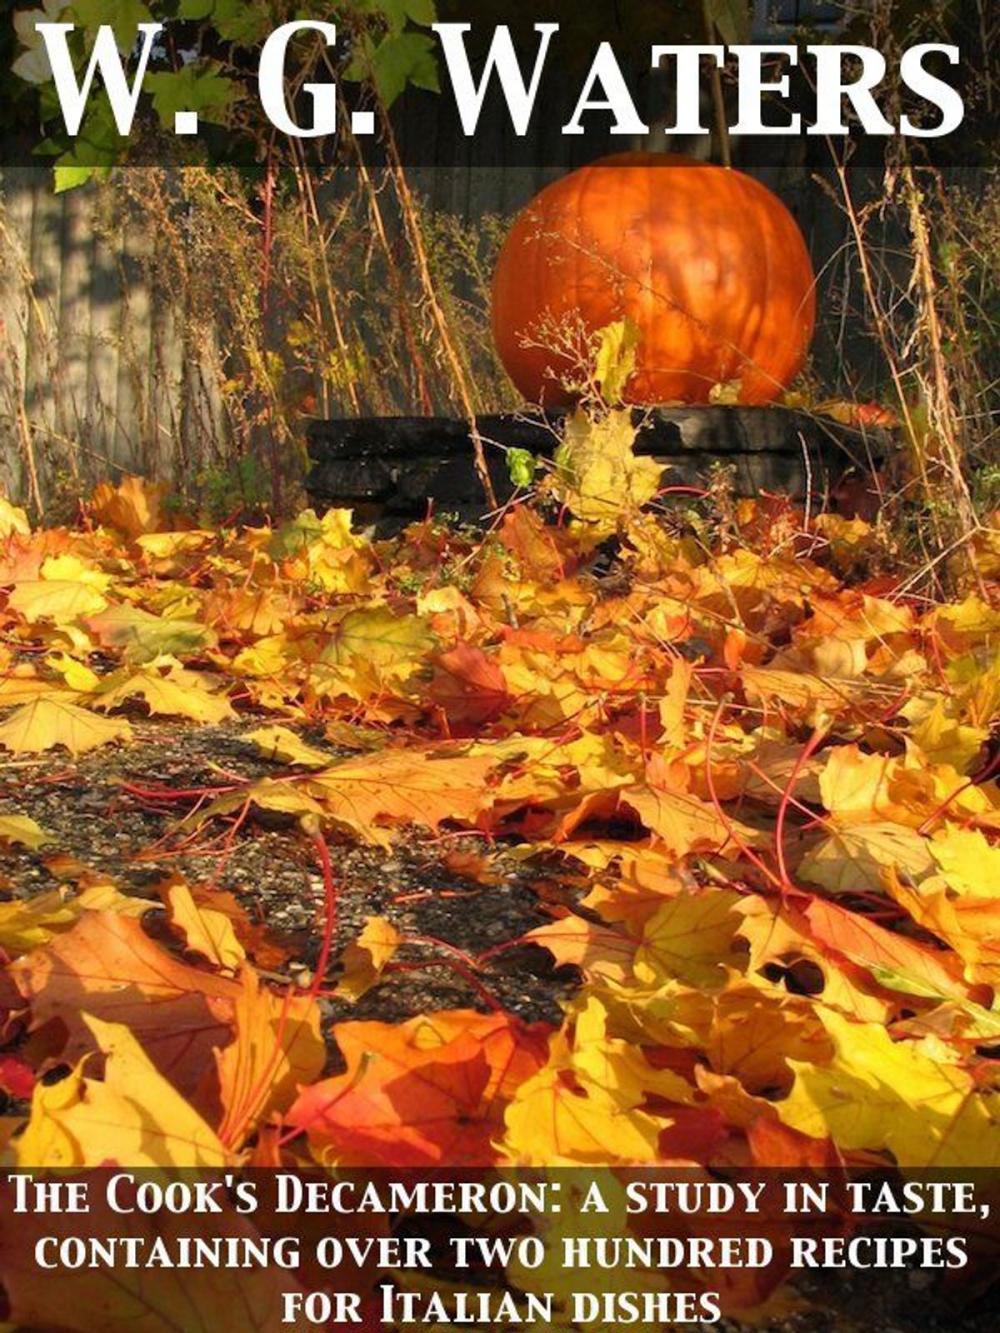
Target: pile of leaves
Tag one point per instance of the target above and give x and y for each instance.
(766, 781)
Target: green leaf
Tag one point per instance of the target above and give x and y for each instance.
(71, 177)
(234, 20)
(97, 148)
(197, 87)
(239, 22)
(124, 16)
(404, 60)
(395, 13)
(522, 466)
(423, 12)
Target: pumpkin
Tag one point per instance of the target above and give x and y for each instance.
(706, 262)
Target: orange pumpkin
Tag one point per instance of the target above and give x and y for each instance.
(707, 263)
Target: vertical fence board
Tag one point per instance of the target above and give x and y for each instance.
(102, 366)
(15, 312)
(71, 304)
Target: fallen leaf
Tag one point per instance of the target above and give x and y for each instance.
(45, 724)
(169, 691)
(280, 745)
(133, 1117)
(365, 958)
(205, 932)
(107, 967)
(277, 1048)
(428, 1092)
(50, 599)
(888, 1096)
(133, 507)
(22, 831)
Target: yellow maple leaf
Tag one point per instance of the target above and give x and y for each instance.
(968, 923)
(76, 675)
(691, 937)
(72, 569)
(13, 521)
(882, 1095)
(133, 1117)
(269, 656)
(168, 689)
(553, 1121)
(280, 745)
(395, 644)
(46, 723)
(23, 831)
(59, 601)
(29, 923)
(854, 859)
(681, 821)
(862, 788)
(402, 786)
(165, 545)
(600, 952)
(942, 736)
(277, 1048)
(22, 683)
(968, 863)
(205, 931)
(615, 360)
(598, 474)
(365, 958)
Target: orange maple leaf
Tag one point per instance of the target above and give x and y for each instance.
(428, 1092)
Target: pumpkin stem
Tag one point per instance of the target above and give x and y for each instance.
(718, 98)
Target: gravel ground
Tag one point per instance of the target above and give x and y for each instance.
(270, 868)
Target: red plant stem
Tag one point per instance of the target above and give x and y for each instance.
(936, 814)
(815, 820)
(226, 850)
(734, 837)
(684, 490)
(169, 795)
(495, 950)
(810, 748)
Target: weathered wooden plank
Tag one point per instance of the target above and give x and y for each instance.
(71, 308)
(105, 313)
(134, 318)
(15, 313)
(43, 378)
